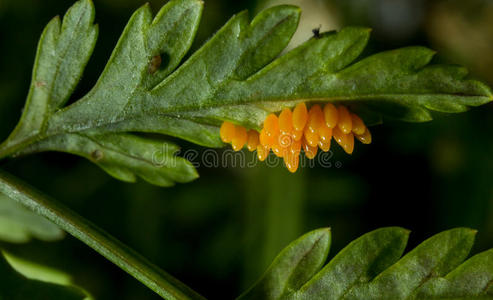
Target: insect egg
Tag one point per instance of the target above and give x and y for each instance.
(331, 115)
(315, 118)
(286, 121)
(301, 129)
(239, 139)
(358, 125)
(365, 138)
(345, 122)
(262, 152)
(271, 125)
(252, 140)
(227, 132)
(310, 151)
(300, 116)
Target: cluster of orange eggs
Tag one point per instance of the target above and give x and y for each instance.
(292, 131)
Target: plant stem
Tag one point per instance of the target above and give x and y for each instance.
(133, 263)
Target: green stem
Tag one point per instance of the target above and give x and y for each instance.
(133, 263)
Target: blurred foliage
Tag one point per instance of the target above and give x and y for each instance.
(19, 225)
(23, 280)
(220, 232)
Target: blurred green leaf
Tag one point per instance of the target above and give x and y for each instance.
(370, 268)
(115, 251)
(14, 285)
(18, 224)
(235, 76)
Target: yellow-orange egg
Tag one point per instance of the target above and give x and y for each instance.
(324, 146)
(227, 132)
(358, 127)
(311, 137)
(262, 152)
(331, 115)
(345, 123)
(339, 137)
(292, 161)
(252, 139)
(297, 135)
(310, 151)
(300, 116)
(325, 133)
(365, 138)
(349, 148)
(240, 138)
(303, 129)
(286, 121)
(266, 140)
(295, 148)
(285, 140)
(315, 118)
(278, 150)
(271, 125)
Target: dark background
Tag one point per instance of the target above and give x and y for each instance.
(220, 232)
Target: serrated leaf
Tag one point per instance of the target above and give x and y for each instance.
(126, 156)
(14, 285)
(63, 52)
(238, 75)
(19, 225)
(371, 268)
(435, 257)
(295, 265)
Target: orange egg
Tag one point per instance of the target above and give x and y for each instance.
(349, 148)
(252, 139)
(278, 150)
(297, 135)
(331, 115)
(285, 140)
(300, 116)
(325, 133)
(265, 140)
(303, 129)
(310, 151)
(339, 137)
(292, 161)
(345, 123)
(358, 125)
(315, 118)
(311, 137)
(262, 152)
(365, 138)
(227, 132)
(295, 148)
(240, 138)
(286, 121)
(271, 125)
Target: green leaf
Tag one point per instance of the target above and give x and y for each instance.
(295, 265)
(126, 156)
(14, 285)
(238, 75)
(19, 225)
(115, 251)
(63, 52)
(371, 268)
